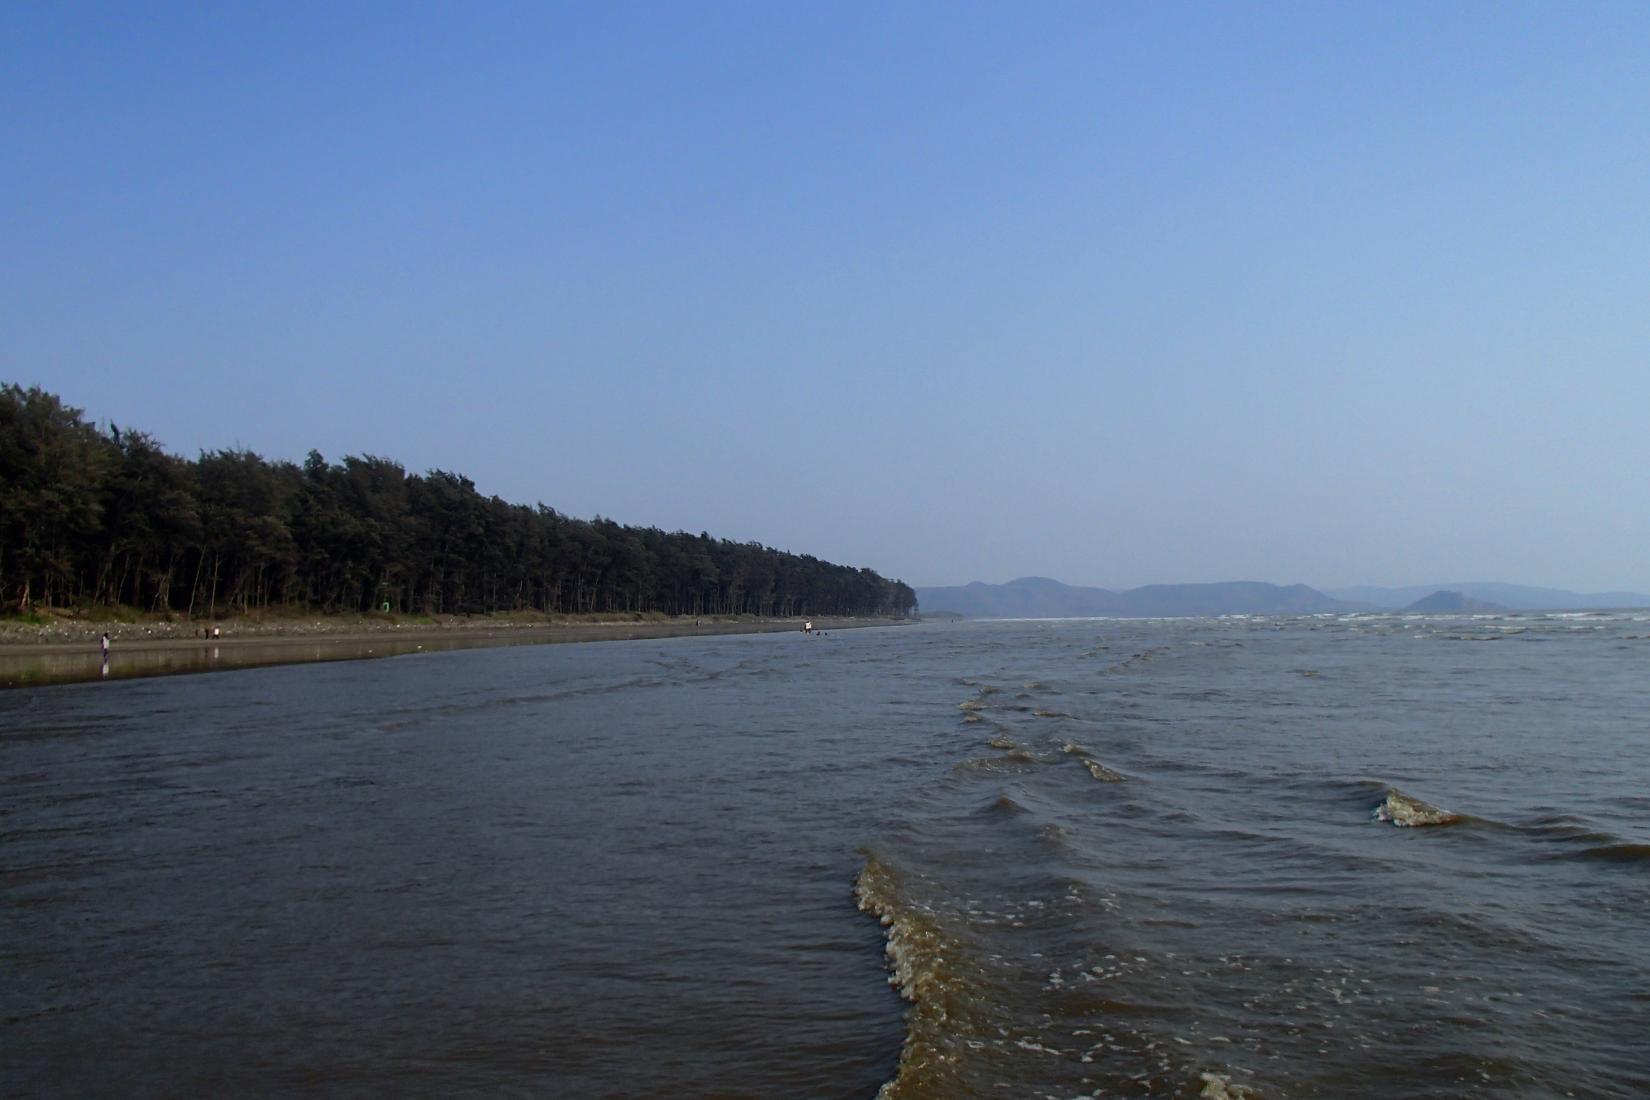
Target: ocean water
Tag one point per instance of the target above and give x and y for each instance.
(1355, 856)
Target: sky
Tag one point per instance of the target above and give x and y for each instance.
(1114, 293)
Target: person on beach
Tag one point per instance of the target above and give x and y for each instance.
(105, 645)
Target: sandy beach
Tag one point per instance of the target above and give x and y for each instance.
(69, 650)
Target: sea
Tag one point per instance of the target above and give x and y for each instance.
(1365, 855)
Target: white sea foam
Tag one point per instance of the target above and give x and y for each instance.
(1101, 772)
(1402, 810)
(1220, 1087)
(1096, 769)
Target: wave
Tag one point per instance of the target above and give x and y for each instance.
(1619, 853)
(1573, 836)
(1054, 835)
(1004, 805)
(1100, 771)
(919, 955)
(1406, 812)
(1135, 660)
(964, 1034)
(1217, 1086)
(1095, 767)
(1009, 762)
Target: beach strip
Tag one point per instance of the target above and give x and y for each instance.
(33, 656)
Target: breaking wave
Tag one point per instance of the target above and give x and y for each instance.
(1095, 767)
(970, 1028)
(923, 964)
(1100, 771)
(1012, 760)
(1219, 1087)
(1406, 812)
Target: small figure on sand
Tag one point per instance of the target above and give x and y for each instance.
(808, 626)
(105, 645)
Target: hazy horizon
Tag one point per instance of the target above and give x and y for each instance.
(1338, 296)
(1282, 583)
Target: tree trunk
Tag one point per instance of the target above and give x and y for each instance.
(212, 607)
(195, 586)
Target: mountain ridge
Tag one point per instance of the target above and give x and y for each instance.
(1035, 597)
(1521, 597)
(1046, 598)
(1451, 602)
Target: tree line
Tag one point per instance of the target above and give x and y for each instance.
(91, 518)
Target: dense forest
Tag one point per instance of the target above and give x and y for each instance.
(94, 518)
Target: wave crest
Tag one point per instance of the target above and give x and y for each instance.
(1100, 771)
(1096, 769)
(1219, 1087)
(1406, 812)
(917, 950)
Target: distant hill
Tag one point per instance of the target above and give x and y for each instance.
(1516, 596)
(1444, 600)
(1042, 598)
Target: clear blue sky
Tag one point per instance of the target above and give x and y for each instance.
(1116, 293)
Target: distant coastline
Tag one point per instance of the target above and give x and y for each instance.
(1042, 597)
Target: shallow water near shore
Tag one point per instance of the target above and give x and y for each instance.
(1351, 856)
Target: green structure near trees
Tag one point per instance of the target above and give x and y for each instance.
(95, 518)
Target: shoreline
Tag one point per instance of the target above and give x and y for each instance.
(67, 632)
(36, 655)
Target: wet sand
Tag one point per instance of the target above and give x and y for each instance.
(50, 658)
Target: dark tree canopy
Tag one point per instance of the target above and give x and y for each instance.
(93, 518)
